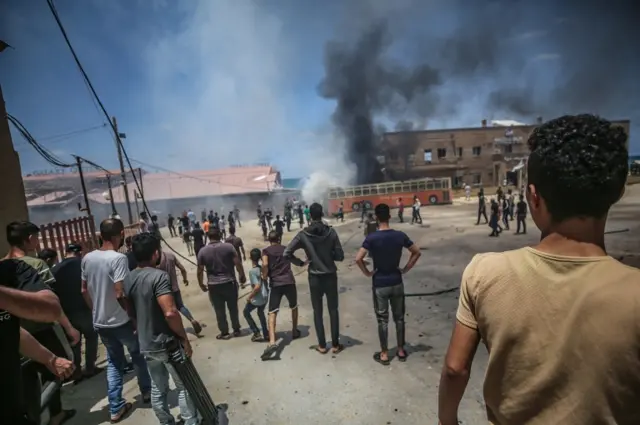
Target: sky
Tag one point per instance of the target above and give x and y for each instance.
(210, 83)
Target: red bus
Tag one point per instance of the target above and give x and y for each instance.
(430, 191)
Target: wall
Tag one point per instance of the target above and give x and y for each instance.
(477, 156)
(13, 205)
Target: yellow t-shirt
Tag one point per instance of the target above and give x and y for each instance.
(563, 335)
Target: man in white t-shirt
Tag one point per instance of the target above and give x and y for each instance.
(103, 274)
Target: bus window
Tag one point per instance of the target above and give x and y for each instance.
(430, 185)
(446, 183)
(357, 192)
(406, 188)
(422, 185)
(365, 190)
(332, 195)
(438, 184)
(374, 190)
(349, 193)
(340, 194)
(414, 187)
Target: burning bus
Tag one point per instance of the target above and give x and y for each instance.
(430, 191)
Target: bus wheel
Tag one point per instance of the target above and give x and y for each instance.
(433, 199)
(368, 205)
(355, 206)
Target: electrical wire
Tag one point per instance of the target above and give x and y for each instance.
(54, 12)
(41, 150)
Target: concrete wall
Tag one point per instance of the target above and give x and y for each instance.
(13, 205)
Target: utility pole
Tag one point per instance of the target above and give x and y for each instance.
(113, 205)
(87, 207)
(123, 174)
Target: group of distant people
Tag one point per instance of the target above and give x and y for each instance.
(502, 210)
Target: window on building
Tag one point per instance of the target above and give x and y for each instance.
(477, 150)
(508, 148)
(411, 159)
(381, 159)
(459, 152)
(427, 155)
(442, 153)
(476, 178)
(393, 155)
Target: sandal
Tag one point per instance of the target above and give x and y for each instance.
(378, 359)
(122, 413)
(237, 334)
(403, 358)
(257, 337)
(197, 328)
(223, 336)
(337, 349)
(269, 351)
(295, 334)
(319, 349)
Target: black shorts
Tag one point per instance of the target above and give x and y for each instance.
(276, 294)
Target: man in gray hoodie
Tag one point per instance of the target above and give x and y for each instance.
(322, 246)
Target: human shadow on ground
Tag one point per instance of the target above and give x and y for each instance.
(284, 339)
(84, 397)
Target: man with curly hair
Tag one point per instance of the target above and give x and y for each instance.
(559, 319)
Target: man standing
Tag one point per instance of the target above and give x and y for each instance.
(237, 243)
(385, 247)
(363, 210)
(68, 287)
(417, 218)
(482, 207)
(169, 263)
(188, 240)
(494, 220)
(198, 238)
(236, 214)
(219, 260)
(192, 217)
(564, 293)
(103, 274)
(370, 225)
(467, 192)
(278, 226)
(287, 218)
(322, 247)
(276, 270)
(521, 216)
(400, 210)
(159, 328)
(300, 213)
(171, 222)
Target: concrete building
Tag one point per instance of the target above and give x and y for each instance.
(485, 155)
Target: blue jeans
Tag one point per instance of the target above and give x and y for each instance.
(252, 323)
(114, 340)
(177, 296)
(160, 370)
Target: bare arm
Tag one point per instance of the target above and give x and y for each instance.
(360, 256)
(200, 276)
(183, 271)
(40, 306)
(31, 348)
(265, 268)
(413, 259)
(456, 372)
(239, 267)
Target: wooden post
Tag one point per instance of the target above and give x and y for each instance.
(87, 207)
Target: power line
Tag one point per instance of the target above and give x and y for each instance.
(71, 133)
(44, 152)
(54, 12)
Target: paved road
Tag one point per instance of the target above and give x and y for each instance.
(350, 388)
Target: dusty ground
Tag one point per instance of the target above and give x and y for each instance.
(305, 387)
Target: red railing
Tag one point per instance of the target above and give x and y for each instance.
(58, 235)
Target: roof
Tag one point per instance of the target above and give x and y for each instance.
(506, 123)
(69, 175)
(194, 184)
(53, 198)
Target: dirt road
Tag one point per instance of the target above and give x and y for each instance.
(350, 388)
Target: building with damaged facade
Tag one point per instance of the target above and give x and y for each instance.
(486, 155)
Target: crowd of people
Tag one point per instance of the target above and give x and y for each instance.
(544, 312)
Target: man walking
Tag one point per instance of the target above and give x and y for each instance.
(482, 207)
(149, 291)
(400, 210)
(545, 312)
(276, 270)
(169, 263)
(237, 243)
(385, 247)
(219, 259)
(68, 287)
(521, 216)
(322, 247)
(103, 274)
(171, 223)
(278, 226)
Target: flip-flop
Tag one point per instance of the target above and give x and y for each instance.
(236, 334)
(337, 349)
(122, 413)
(377, 358)
(295, 334)
(269, 351)
(319, 349)
(197, 328)
(223, 336)
(403, 358)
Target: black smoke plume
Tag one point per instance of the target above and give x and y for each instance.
(514, 59)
